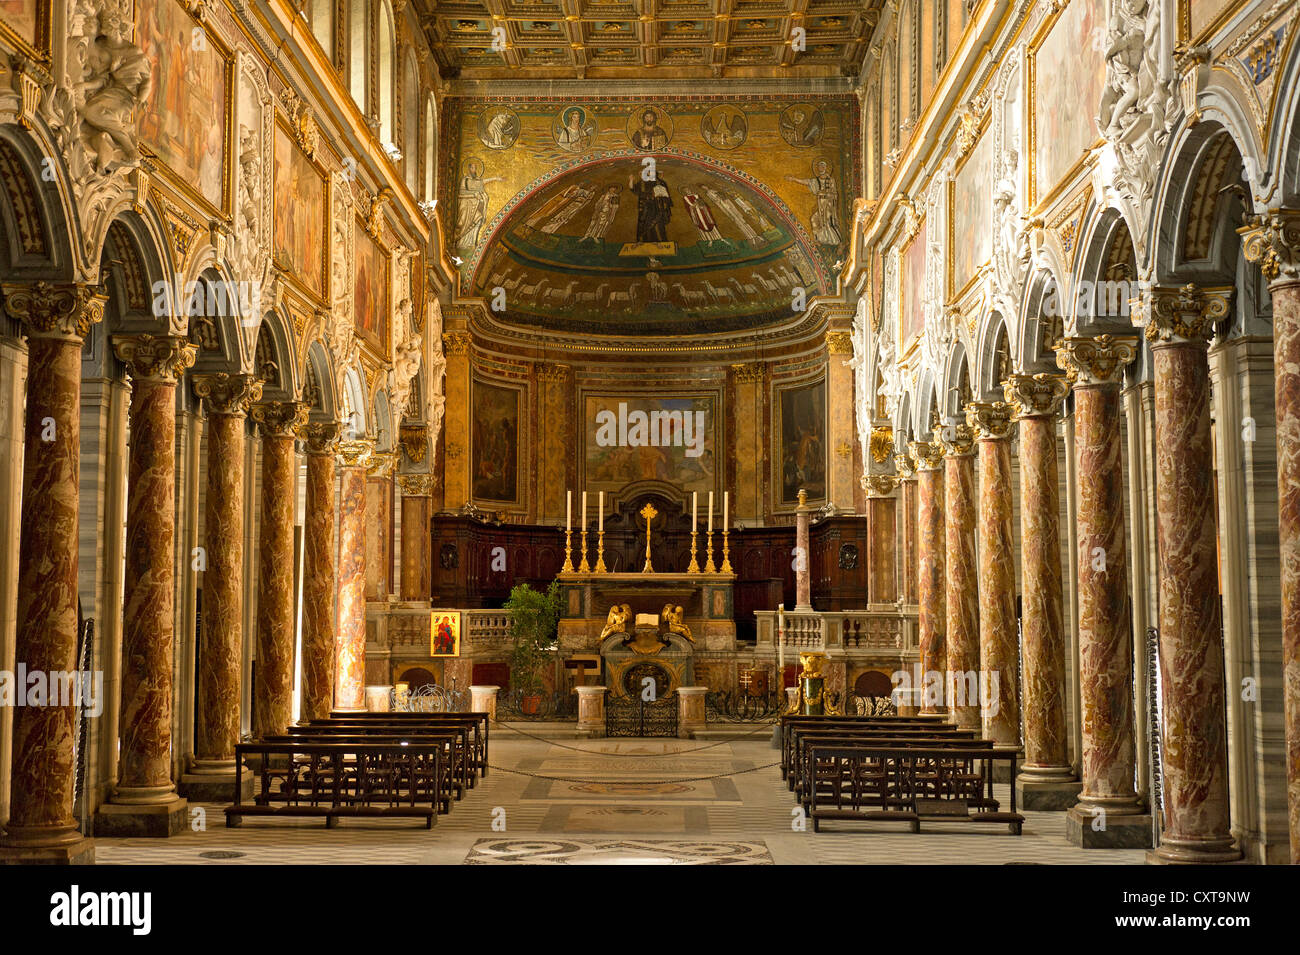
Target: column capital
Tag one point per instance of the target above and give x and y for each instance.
(1036, 396)
(989, 419)
(415, 485)
(456, 343)
(51, 310)
(322, 437)
(1096, 361)
(160, 359)
(1273, 242)
(751, 372)
(905, 467)
(879, 485)
(956, 438)
(553, 371)
(928, 455)
(280, 419)
(1181, 315)
(381, 464)
(227, 394)
(356, 454)
(881, 443)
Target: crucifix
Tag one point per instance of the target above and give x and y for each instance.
(649, 513)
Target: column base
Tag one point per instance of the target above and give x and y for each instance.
(154, 820)
(81, 852)
(1194, 852)
(1113, 831)
(591, 732)
(1047, 795)
(216, 786)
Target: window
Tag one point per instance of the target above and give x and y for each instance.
(387, 64)
(357, 52)
(411, 124)
(430, 148)
(322, 24)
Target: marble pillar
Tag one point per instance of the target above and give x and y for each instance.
(379, 525)
(279, 423)
(1273, 241)
(1108, 811)
(591, 710)
(318, 583)
(220, 656)
(962, 608)
(416, 581)
(350, 643)
(906, 469)
(56, 318)
(803, 562)
(882, 531)
(1047, 779)
(1179, 323)
(931, 589)
(145, 801)
(998, 640)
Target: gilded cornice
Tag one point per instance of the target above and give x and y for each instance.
(927, 455)
(879, 485)
(280, 419)
(1096, 361)
(356, 454)
(989, 419)
(1272, 241)
(1181, 315)
(161, 359)
(49, 310)
(956, 438)
(1038, 395)
(227, 394)
(905, 466)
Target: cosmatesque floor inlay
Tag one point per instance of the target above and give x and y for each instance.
(616, 852)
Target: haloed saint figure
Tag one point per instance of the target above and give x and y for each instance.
(654, 208)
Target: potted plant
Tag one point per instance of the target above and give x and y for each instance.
(534, 619)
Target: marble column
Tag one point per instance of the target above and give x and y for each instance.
(1047, 779)
(1108, 811)
(278, 422)
(962, 606)
(999, 644)
(220, 672)
(882, 530)
(906, 469)
(1273, 241)
(931, 592)
(56, 318)
(416, 575)
(350, 644)
(803, 565)
(144, 801)
(1194, 741)
(318, 583)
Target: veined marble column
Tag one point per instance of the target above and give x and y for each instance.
(1047, 779)
(350, 644)
(906, 469)
(962, 603)
(56, 319)
(279, 422)
(145, 801)
(1096, 366)
(1274, 242)
(931, 590)
(803, 566)
(1194, 744)
(882, 526)
(220, 670)
(416, 570)
(999, 650)
(318, 584)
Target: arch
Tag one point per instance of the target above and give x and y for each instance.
(358, 35)
(904, 427)
(320, 388)
(411, 124)
(134, 271)
(1284, 147)
(354, 408)
(383, 420)
(386, 75)
(994, 357)
(213, 313)
(430, 148)
(957, 387)
(34, 232)
(275, 344)
(1041, 323)
(928, 406)
(1106, 279)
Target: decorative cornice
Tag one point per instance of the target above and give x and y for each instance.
(839, 343)
(1273, 242)
(414, 439)
(322, 437)
(55, 311)
(957, 439)
(415, 485)
(456, 343)
(1035, 396)
(160, 359)
(882, 443)
(280, 419)
(1096, 361)
(928, 455)
(989, 419)
(1180, 315)
(227, 394)
(356, 454)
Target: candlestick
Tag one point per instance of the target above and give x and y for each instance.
(780, 655)
(568, 552)
(600, 552)
(583, 566)
(726, 561)
(709, 568)
(694, 568)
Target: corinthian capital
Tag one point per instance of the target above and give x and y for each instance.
(928, 455)
(322, 437)
(879, 485)
(280, 419)
(55, 311)
(905, 466)
(415, 485)
(1096, 361)
(957, 438)
(227, 394)
(1180, 315)
(1273, 242)
(356, 454)
(989, 419)
(1032, 396)
(162, 359)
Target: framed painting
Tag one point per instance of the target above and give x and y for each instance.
(643, 438)
(185, 121)
(27, 24)
(800, 427)
(911, 290)
(494, 443)
(444, 633)
(300, 229)
(374, 287)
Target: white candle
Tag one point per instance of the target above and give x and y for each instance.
(568, 510)
(780, 648)
(600, 513)
(710, 512)
(726, 495)
(695, 504)
(584, 510)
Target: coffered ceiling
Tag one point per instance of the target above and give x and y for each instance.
(648, 39)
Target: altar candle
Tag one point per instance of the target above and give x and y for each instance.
(780, 648)
(710, 512)
(695, 504)
(568, 510)
(584, 510)
(600, 513)
(726, 495)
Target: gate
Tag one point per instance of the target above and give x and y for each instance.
(626, 716)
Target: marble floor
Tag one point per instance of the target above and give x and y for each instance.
(714, 801)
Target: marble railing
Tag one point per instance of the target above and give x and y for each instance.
(407, 627)
(885, 628)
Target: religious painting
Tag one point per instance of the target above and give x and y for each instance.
(184, 119)
(444, 633)
(801, 430)
(802, 125)
(649, 128)
(494, 443)
(912, 289)
(1068, 77)
(724, 127)
(574, 129)
(472, 204)
(21, 18)
(641, 438)
(972, 213)
(373, 292)
(498, 127)
(826, 209)
(299, 211)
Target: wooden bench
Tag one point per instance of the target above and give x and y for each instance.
(874, 781)
(793, 726)
(799, 754)
(480, 721)
(453, 765)
(333, 780)
(802, 772)
(464, 754)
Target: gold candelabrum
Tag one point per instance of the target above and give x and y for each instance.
(568, 552)
(600, 552)
(583, 566)
(709, 567)
(649, 513)
(726, 550)
(695, 564)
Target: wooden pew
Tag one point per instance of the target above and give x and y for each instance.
(333, 780)
(468, 755)
(453, 766)
(803, 770)
(792, 725)
(479, 720)
(799, 752)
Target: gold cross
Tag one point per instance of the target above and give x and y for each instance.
(649, 513)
